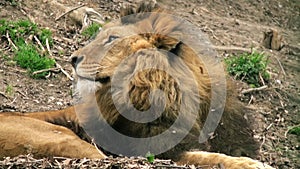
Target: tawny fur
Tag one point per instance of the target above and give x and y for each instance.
(141, 40)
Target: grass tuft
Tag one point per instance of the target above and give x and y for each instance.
(27, 55)
(295, 130)
(91, 31)
(249, 68)
(28, 58)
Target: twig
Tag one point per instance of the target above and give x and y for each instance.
(168, 166)
(269, 126)
(58, 66)
(45, 70)
(286, 132)
(64, 72)
(13, 100)
(263, 142)
(281, 67)
(56, 19)
(60, 59)
(251, 99)
(29, 16)
(10, 41)
(213, 34)
(254, 89)
(58, 164)
(95, 145)
(261, 79)
(48, 47)
(233, 48)
(1, 93)
(24, 95)
(39, 42)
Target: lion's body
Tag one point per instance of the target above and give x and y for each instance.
(31, 133)
(99, 61)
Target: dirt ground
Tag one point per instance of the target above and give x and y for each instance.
(227, 24)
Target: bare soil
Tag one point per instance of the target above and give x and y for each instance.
(227, 23)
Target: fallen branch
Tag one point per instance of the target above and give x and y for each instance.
(269, 126)
(45, 70)
(1, 93)
(251, 99)
(64, 72)
(39, 42)
(254, 89)
(261, 79)
(170, 166)
(28, 16)
(70, 10)
(263, 142)
(48, 47)
(58, 66)
(213, 34)
(233, 48)
(289, 128)
(10, 41)
(281, 67)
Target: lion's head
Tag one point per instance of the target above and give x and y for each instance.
(140, 67)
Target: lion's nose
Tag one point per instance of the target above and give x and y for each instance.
(75, 60)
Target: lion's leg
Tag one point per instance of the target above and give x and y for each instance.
(65, 117)
(23, 135)
(210, 159)
(57, 116)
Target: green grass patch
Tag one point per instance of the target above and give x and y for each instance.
(295, 130)
(249, 68)
(9, 90)
(91, 31)
(28, 58)
(45, 34)
(150, 157)
(28, 55)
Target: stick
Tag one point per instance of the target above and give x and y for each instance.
(45, 70)
(263, 142)
(1, 93)
(168, 166)
(269, 126)
(281, 67)
(48, 47)
(213, 34)
(24, 95)
(58, 66)
(39, 42)
(29, 16)
(68, 12)
(254, 89)
(261, 79)
(10, 41)
(286, 132)
(251, 99)
(64, 72)
(233, 48)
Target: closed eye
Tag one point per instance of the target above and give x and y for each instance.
(111, 38)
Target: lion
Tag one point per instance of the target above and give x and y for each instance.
(144, 40)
